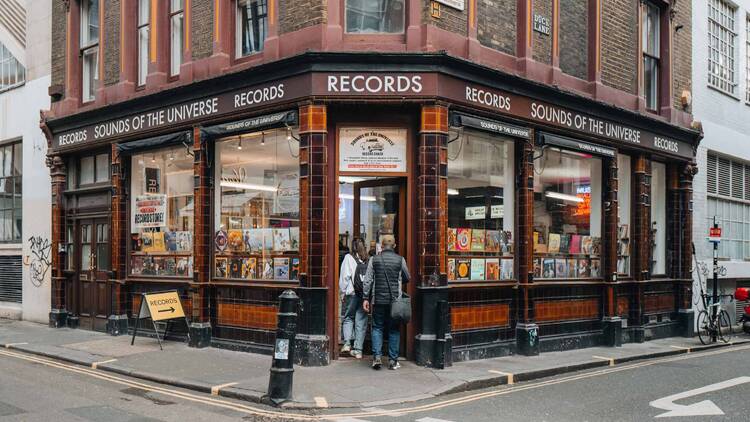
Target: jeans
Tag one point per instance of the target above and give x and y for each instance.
(381, 320)
(354, 321)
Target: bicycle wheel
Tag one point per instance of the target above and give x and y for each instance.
(703, 331)
(725, 327)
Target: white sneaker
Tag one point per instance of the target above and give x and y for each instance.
(357, 354)
(346, 348)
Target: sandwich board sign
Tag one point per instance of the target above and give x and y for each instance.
(160, 306)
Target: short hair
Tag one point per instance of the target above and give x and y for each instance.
(387, 240)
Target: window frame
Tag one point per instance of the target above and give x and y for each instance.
(172, 14)
(87, 48)
(6, 57)
(13, 179)
(142, 27)
(719, 12)
(651, 57)
(347, 33)
(237, 22)
(95, 169)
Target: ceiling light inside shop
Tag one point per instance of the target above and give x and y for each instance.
(247, 186)
(563, 197)
(452, 192)
(362, 197)
(351, 179)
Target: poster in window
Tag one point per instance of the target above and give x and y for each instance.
(281, 268)
(451, 269)
(492, 241)
(463, 239)
(267, 269)
(281, 240)
(152, 180)
(463, 269)
(477, 240)
(373, 150)
(294, 270)
(492, 269)
(150, 211)
(506, 270)
(294, 238)
(249, 268)
(235, 241)
(451, 241)
(477, 269)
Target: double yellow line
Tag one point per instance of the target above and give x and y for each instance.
(408, 410)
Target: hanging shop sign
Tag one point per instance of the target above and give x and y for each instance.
(456, 4)
(150, 211)
(574, 144)
(489, 125)
(373, 150)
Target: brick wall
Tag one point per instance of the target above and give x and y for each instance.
(682, 51)
(496, 24)
(297, 14)
(619, 45)
(202, 24)
(542, 43)
(450, 19)
(111, 31)
(573, 39)
(58, 42)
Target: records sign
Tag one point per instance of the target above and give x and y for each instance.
(150, 211)
(374, 150)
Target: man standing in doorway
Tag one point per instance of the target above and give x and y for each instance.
(385, 274)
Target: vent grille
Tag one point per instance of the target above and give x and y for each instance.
(724, 177)
(740, 309)
(711, 164)
(738, 178)
(10, 278)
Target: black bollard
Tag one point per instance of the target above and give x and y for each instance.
(440, 330)
(282, 369)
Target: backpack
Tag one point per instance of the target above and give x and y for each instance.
(359, 276)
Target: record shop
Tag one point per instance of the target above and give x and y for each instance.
(545, 220)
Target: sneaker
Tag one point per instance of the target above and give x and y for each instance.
(346, 348)
(393, 365)
(376, 363)
(357, 354)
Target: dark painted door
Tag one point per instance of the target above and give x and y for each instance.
(93, 272)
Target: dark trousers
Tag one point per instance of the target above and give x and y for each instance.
(381, 322)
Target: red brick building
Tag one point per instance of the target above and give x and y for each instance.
(533, 158)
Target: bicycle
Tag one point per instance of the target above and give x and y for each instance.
(714, 322)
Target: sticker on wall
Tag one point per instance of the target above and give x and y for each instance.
(374, 150)
(150, 211)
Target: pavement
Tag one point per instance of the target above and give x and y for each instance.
(346, 383)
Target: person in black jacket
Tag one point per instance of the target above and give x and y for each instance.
(385, 274)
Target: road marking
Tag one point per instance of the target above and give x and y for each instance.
(681, 348)
(321, 401)
(507, 374)
(385, 412)
(702, 408)
(9, 345)
(215, 389)
(95, 364)
(428, 419)
(611, 360)
(333, 418)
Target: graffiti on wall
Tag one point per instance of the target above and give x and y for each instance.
(40, 259)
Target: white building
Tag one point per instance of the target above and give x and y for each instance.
(721, 101)
(24, 178)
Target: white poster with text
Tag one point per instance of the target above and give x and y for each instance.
(376, 150)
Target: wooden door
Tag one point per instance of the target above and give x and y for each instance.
(93, 272)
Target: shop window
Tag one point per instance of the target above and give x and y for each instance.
(161, 213)
(480, 208)
(11, 166)
(623, 214)
(89, 45)
(93, 169)
(70, 258)
(252, 26)
(176, 19)
(659, 218)
(375, 16)
(650, 27)
(257, 207)
(567, 214)
(144, 12)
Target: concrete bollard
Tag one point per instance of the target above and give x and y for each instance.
(282, 368)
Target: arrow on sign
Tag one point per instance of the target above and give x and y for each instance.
(170, 309)
(702, 408)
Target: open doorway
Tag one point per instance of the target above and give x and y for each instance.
(368, 208)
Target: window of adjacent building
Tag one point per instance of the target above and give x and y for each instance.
(89, 48)
(659, 217)
(161, 213)
(623, 214)
(747, 59)
(11, 166)
(650, 27)
(176, 19)
(93, 169)
(252, 26)
(144, 12)
(567, 214)
(375, 16)
(728, 187)
(257, 207)
(12, 73)
(480, 208)
(721, 46)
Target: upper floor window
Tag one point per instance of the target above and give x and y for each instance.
(252, 26)
(650, 27)
(11, 166)
(89, 45)
(721, 48)
(747, 59)
(12, 73)
(144, 12)
(375, 16)
(176, 19)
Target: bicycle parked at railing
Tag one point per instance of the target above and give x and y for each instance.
(713, 322)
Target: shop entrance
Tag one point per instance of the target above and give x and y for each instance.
(93, 266)
(370, 207)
